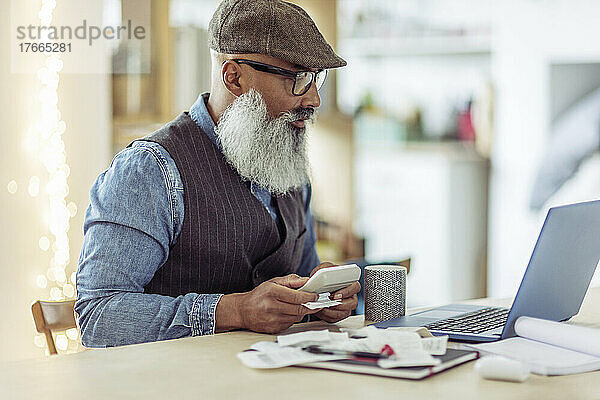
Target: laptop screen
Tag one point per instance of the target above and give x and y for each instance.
(561, 267)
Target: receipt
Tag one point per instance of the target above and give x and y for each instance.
(363, 332)
(322, 302)
(409, 360)
(410, 350)
(435, 345)
(277, 357)
(400, 342)
(351, 345)
(304, 338)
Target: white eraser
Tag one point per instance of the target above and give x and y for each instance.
(502, 369)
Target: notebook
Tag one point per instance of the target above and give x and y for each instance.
(368, 366)
(549, 348)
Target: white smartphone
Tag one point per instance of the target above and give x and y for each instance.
(332, 279)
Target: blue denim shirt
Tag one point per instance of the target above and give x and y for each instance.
(135, 215)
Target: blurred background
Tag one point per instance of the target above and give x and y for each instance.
(452, 130)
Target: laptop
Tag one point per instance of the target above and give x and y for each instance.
(555, 282)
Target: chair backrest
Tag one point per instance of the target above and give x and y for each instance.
(406, 264)
(53, 315)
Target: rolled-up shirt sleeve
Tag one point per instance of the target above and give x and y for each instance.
(134, 217)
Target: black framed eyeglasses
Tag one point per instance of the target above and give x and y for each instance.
(302, 79)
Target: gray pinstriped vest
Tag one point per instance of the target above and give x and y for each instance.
(228, 242)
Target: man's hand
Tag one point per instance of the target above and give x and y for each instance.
(271, 307)
(347, 295)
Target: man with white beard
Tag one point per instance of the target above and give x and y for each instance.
(204, 226)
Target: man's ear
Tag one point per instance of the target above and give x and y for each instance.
(233, 78)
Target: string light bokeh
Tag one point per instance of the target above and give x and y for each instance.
(45, 143)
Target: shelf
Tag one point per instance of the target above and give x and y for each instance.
(416, 46)
(453, 150)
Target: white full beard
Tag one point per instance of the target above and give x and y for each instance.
(272, 153)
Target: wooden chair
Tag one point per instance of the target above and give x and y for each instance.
(53, 316)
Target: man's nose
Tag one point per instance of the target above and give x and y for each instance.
(311, 98)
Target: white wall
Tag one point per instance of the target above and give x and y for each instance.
(528, 37)
(84, 101)
(444, 186)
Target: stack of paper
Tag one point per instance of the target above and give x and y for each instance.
(408, 347)
(550, 348)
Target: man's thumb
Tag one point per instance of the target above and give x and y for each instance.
(292, 281)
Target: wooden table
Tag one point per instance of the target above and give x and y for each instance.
(207, 368)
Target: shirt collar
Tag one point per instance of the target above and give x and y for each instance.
(200, 115)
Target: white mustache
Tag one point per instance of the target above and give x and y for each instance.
(306, 114)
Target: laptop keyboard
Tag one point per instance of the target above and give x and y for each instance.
(476, 322)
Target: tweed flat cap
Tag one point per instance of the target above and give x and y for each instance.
(272, 27)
